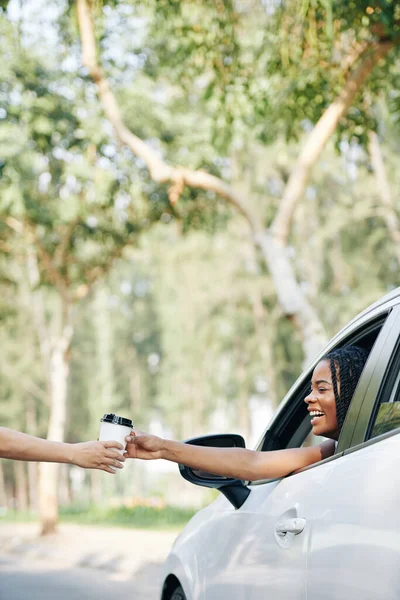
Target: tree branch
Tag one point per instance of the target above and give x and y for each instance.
(39, 312)
(159, 170)
(51, 271)
(354, 56)
(47, 262)
(323, 130)
(383, 188)
(94, 274)
(61, 250)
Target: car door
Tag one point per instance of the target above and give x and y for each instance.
(262, 547)
(261, 550)
(354, 546)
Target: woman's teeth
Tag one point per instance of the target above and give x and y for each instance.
(316, 413)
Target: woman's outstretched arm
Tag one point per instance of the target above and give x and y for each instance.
(90, 455)
(230, 462)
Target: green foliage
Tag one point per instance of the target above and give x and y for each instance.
(272, 67)
(139, 517)
(56, 180)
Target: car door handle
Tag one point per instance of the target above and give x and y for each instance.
(295, 526)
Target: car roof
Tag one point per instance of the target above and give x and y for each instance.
(385, 303)
(391, 298)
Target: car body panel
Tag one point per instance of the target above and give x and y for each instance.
(355, 541)
(257, 567)
(188, 555)
(247, 562)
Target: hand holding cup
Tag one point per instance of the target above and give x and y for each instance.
(103, 455)
(143, 445)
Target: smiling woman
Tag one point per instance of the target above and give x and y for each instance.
(334, 381)
(332, 387)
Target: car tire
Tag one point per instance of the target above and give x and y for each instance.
(178, 594)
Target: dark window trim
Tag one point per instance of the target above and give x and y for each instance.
(383, 351)
(389, 379)
(385, 320)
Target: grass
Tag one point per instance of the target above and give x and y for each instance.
(140, 517)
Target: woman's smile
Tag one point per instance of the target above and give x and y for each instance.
(316, 416)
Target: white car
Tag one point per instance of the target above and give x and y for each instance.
(328, 532)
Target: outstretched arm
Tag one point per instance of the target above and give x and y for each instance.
(90, 455)
(230, 462)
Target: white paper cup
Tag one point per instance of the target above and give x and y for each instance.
(115, 428)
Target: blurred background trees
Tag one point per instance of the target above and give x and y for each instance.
(194, 196)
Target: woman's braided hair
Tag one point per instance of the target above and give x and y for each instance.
(347, 363)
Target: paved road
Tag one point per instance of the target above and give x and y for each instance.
(81, 563)
(24, 579)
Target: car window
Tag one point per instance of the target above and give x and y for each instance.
(292, 428)
(386, 414)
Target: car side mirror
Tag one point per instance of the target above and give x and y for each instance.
(233, 489)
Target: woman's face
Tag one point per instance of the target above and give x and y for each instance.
(321, 402)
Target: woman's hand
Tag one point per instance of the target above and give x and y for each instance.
(98, 455)
(143, 445)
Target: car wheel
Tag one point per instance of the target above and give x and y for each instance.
(178, 594)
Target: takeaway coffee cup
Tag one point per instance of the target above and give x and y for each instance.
(115, 428)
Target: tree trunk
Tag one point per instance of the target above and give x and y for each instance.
(135, 384)
(292, 299)
(31, 428)
(64, 495)
(21, 488)
(58, 376)
(104, 352)
(33, 481)
(96, 488)
(10, 493)
(48, 498)
(3, 495)
(55, 356)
